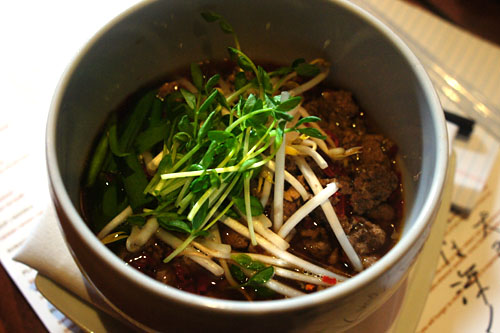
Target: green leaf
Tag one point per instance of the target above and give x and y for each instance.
(185, 124)
(134, 181)
(225, 26)
(174, 225)
(222, 100)
(261, 276)
(246, 261)
(237, 274)
(208, 101)
(207, 125)
(200, 184)
(156, 112)
(249, 104)
(243, 61)
(110, 199)
(255, 205)
(215, 180)
(297, 62)
(240, 80)
(182, 137)
(210, 16)
(307, 70)
(242, 259)
(97, 160)
(281, 71)
(309, 119)
(211, 83)
(151, 136)
(200, 216)
(208, 157)
(200, 233)
(278, 139)
(189, 98)
(114, 144)
(196, 167)
(233, 214)
(312, 132)
(264, 292)
(137, 220)
(283, 115)
(197, 76)
(289, 104)
(264, 79)
(135, 121)
(248, 164)
(220, 136)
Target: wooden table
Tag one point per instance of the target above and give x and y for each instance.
(479, 17)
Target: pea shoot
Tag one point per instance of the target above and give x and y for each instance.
(188, 155)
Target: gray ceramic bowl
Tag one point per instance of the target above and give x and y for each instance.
(157, 37)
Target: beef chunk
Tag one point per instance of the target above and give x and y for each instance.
(366, 237)
(290, 166)
(291, 194)
(369, 260)
(344, 184)
(290, 207)
(350, 139)
(233, 238)
(326, 181)
(339, 111)
(317, 248)
(372, 186)
(334, 257)
(315, 242)
(339, 104)
(381, 213)
(345, 223)
(148, 258)
(376, 149)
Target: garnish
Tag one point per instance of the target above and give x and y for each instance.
(251, 273)
(189, 155)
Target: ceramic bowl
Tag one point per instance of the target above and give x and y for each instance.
(157, 37)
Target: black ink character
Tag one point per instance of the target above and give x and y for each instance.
(470, 278)
(484, 224)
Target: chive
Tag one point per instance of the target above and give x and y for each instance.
(134, 181)
(97, 160)
(136, 120)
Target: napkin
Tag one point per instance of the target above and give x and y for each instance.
(45, 251)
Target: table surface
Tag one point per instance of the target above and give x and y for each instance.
(480, 17)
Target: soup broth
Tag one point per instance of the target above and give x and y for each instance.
(244, 182)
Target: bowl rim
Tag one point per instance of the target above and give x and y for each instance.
(422, 221)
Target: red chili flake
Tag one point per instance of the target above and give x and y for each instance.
(329, 280)
(340, 207)
(333, 137)
(310, 287)
(329, 171)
